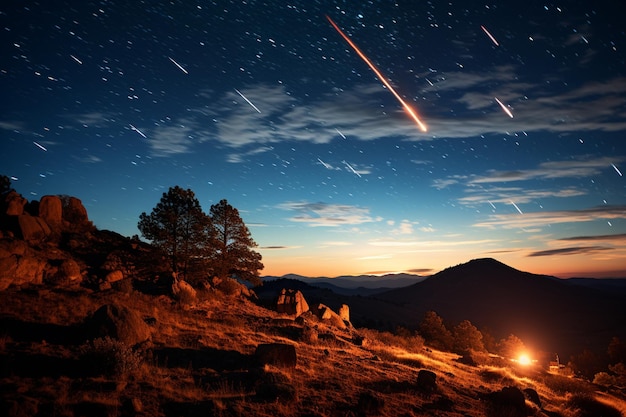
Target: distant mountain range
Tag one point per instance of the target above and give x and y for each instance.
(356, 285)
(549, 314)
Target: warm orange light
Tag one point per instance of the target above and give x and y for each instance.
(524, 359)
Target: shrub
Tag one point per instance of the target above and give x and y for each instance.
(110, 357)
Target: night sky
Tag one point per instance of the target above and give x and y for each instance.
(265, 104)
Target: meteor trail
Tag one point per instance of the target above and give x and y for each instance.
(325, 164)
(616, 170)
(179, 66)
(490, 35)
(505, 108)
(340, 134)
(248, 101)
(380, 76)
(77, 60)
(352, 169)
(138, 131)
(40, 146)
(517, 208)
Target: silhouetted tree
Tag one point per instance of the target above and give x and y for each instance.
(511, 347)
(585, 364)
(467, 337)
(179, 227)
(617, 351)
(434, 332)
(232, 247)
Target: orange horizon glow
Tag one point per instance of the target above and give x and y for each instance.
(382, 78)
(315, 263)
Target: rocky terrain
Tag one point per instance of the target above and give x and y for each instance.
(91, 324)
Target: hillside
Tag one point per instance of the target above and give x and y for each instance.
(200, 360)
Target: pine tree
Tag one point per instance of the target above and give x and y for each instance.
(178, 226)
(232, 249)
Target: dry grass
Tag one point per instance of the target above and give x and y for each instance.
(201, 362)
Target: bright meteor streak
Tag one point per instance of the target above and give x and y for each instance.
(505, 108)
(407, 108)
(490, 35)
(179, 66)
(616, 170)
(40, 146)
(247, 101)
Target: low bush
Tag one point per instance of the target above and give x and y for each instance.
(110, 357)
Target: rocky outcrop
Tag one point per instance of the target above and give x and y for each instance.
(33, 228)
(74, 212)
(20, 270)
(326, 314)
(291, 302)
(51, 210)
(344, 312)
(14, 203)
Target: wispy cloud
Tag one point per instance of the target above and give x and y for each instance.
(616, 237)
(230, 121)
(278, 247)
(540, 219)
(570, 251)
(328, 215)
(579, 167)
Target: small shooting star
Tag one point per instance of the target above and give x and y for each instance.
(490, 35)
(138, 131)
(352, 169)
(324, 164)
(76, 59)
(179, 66)
(505, 108)
(248, 101)
(380, 76)
(340, 134)
(617, 170)
(40, 146)
(517, 208)
(491, 204)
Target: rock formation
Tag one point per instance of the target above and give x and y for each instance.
(325, 313)
(51, 210)
(291, 302)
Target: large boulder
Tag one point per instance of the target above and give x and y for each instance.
(14, 203)
(74, 212)
(117, 322)
(33, 228)
(509, 401)
(426, 381)
(19, 270)
(65, 271)
(51, 209)
(291, 302)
